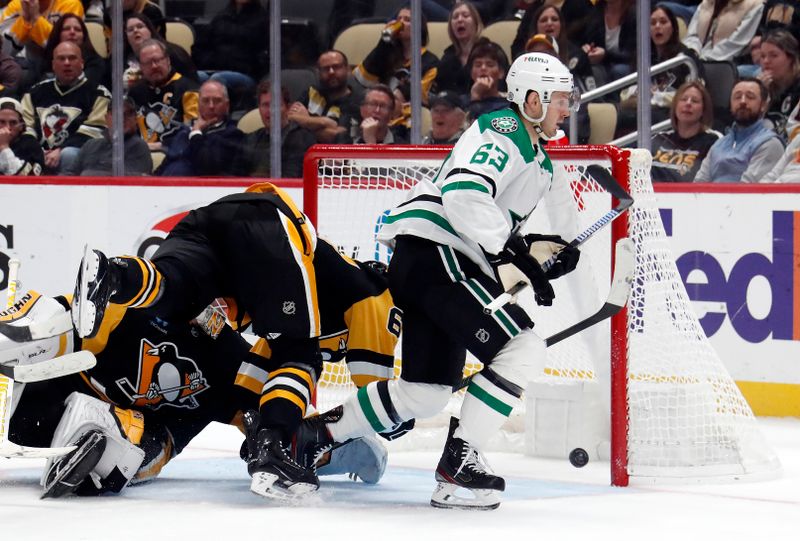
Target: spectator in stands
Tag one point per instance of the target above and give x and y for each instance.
(679, 152)
(66, 111)
(488, 67)
(780, 72)
(664, 44)
(440, 10)
(448, 119)
(149, 9)
(572, 15)
(234, 46)
(788, 167)
(10, 73)
(327, 108)
(464, 27)
(26, 26)
(377, 110)
(721, 29)
(750, 149)
(96, 156)
(254, 155)
(210, 146)
(20, 153)
(139, 29)
(164, 98)
(70, 27)
(547, 20)
(781, 14)
(393, 55)
(611, 39)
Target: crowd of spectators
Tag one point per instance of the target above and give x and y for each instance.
(184, 104)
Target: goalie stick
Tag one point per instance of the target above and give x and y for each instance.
(607, 181)
(617, 298)
(64, 365)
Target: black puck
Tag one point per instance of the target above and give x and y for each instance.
(578, 457)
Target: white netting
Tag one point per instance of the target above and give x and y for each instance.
(687, 418)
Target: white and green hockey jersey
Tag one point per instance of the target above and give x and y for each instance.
(490, 182)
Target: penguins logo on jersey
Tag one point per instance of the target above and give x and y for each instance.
(505, 124)
(158, 121)
(165, 378)
(55, 121)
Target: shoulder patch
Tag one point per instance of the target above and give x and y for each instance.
(505, 124)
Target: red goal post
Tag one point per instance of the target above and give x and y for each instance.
(347, 186)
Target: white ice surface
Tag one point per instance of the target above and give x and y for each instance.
(204, 495)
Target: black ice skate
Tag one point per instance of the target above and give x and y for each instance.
(275, 474)
(68, 472)
(98, 279)
(462, 467)
(313, 442)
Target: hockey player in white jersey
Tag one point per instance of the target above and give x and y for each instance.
(456, 248)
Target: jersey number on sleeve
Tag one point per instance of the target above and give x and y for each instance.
(394, 323)
(492, 153)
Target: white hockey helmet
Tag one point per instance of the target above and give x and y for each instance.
(541, 73)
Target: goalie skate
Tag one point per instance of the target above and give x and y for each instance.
(463, 479)
(67, 473)
(97, 281)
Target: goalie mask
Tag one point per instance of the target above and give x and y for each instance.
(543, 74)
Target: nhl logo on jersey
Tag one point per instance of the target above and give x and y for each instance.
(482, 335)
(505, 124)
(289, 308)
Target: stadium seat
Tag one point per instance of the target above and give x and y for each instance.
(158, 158)
(502, 33)
(98, 37)
(297, 81)
(602, 122)
(250, 122)
(180, 33)
(358, 40)
(720, 78)
(682, 28)
(438, 40)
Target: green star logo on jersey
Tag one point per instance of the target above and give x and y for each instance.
(505, 124)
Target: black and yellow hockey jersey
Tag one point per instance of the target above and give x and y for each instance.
(160, 110)
(65, 116)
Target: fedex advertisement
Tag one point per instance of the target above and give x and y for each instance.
(737, 250)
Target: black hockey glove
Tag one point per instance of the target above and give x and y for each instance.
(515, 263)
(544, 247)
(398, 431)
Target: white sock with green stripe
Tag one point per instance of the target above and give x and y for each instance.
(497, 389)
(382, 405)
(486, 407)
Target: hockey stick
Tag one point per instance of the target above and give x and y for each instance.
(604, 179)
(64, 365)
(617, 298)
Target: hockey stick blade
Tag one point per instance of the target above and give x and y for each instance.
(57, 367)
(617, 298)
(12, 450)
(54, 326)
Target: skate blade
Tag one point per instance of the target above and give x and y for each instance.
(266, 485)
(445, 497)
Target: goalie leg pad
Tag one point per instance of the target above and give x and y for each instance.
(496, 390)
(120, 458)
(362, 458)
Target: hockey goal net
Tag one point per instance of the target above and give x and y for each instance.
(675, 412)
